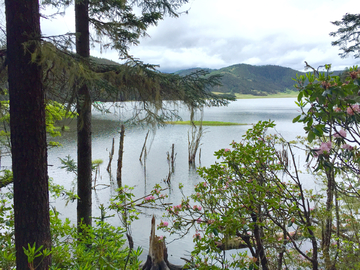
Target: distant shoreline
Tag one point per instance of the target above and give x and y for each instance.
(287, 94)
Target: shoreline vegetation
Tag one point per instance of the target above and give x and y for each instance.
(287, 94)
(205, 123)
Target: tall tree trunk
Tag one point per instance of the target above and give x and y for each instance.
(84, 117)
(28, 134)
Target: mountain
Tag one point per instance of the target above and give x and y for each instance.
(255, 80)
(185, 72)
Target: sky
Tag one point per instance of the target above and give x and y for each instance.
(216, 34)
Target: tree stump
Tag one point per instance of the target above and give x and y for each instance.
(157, 258)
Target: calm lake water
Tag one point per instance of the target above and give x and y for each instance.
(106, 127)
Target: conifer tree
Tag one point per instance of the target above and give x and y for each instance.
(117, 26)
(84, 118)
(114, 20)
(28, 135)
(104, 16)
(348, 35)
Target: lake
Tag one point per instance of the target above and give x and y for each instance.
(106, 127)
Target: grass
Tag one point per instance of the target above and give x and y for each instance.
(287, 94)
(205, 123)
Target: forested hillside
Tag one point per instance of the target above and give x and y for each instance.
(255, 80)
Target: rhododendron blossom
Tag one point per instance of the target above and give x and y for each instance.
(340, 134)
(148, 198)
(347, 146)
(164, 223)
(325, 148)
(352, 109)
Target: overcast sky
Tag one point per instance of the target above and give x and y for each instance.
(215, 34)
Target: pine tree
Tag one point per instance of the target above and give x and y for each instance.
(348, 35)
(114, 21)
(84, 118)
(28, 135)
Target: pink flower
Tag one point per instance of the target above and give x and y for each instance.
(337, 109)
(164, 223)
(340, 134)
(356, 108)
(148, 198)
(347, 146)
(353, 109)
(227, 150)
(197, 208)
(161, 237)
(324, 148)
(199, 220)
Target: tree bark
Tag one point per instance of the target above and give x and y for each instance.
(157, 258)
(120, 157)
(28, 134)
(84, 118)
(111, 155)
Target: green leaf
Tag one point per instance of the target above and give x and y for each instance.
(216, 232)
(296, 119)
(317, 131)
(311, 136)
(300, 96)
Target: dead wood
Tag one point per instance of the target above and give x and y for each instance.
(157, 258)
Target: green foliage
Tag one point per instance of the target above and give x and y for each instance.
(244, 202)
(5, 178)
(98, 247)
(128, 206)
(102, 246)
(330, 113)
(7, 247)
(329, 108)
(55, 112)
(32, 252)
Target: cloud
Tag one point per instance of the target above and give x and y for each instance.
(216, 34)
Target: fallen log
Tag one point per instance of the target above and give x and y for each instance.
(157, 258)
